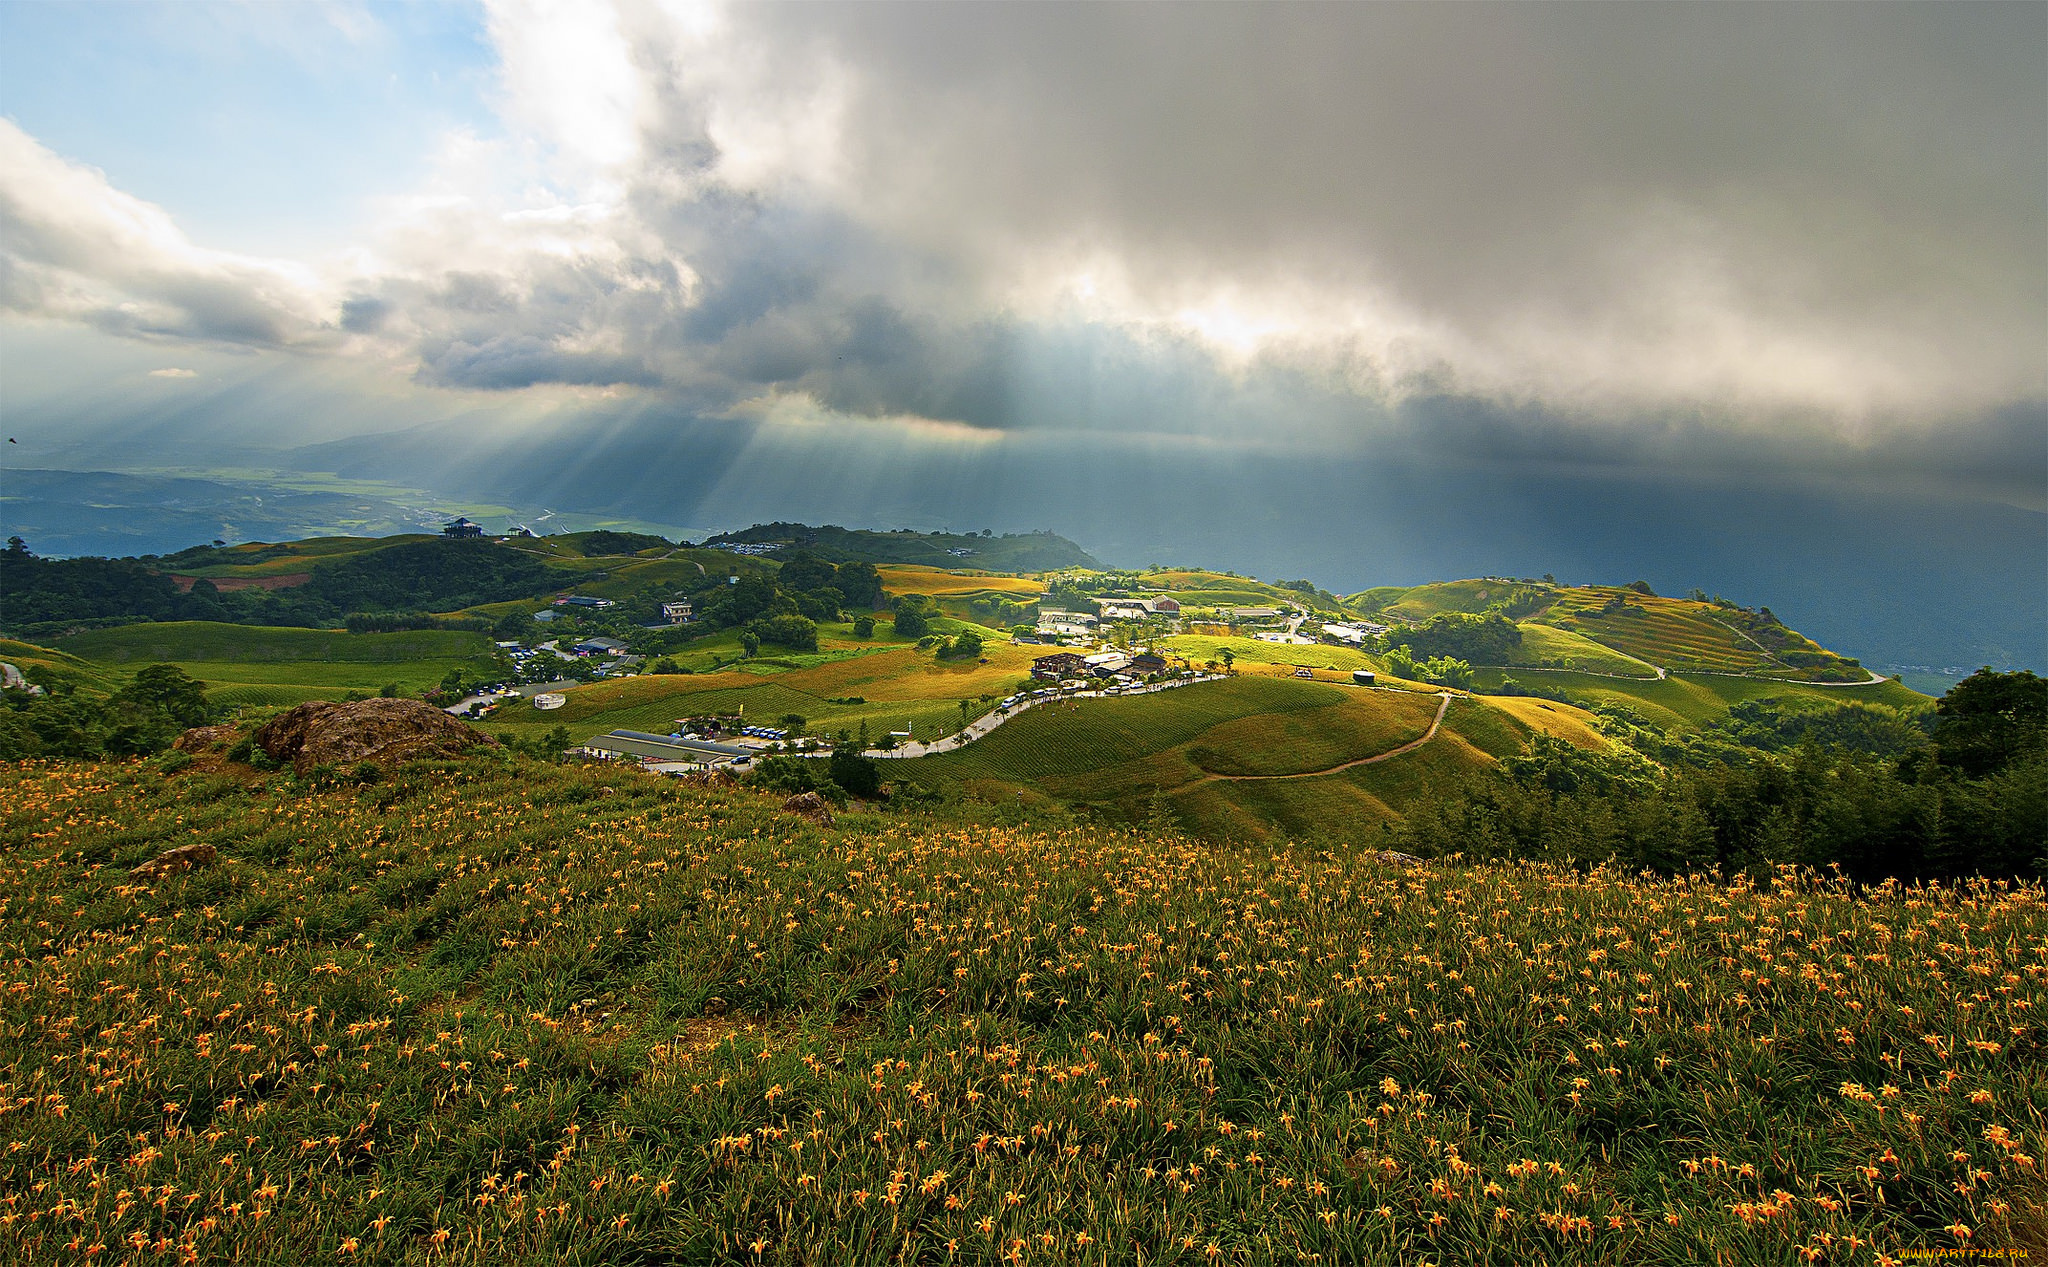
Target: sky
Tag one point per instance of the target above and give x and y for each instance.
(869, 255)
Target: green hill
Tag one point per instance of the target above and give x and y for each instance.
(265, 666)
(1248, 757)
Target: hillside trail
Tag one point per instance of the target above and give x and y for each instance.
(1435, 724)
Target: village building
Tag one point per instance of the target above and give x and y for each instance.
(1062, 665)
(1146, 663)
(462, 528)
(600, 646)
(681, 613)
(1254, 613)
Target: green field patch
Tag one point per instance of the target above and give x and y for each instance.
(1363, 725)
(1199, 649)
(194, 641)
(1561, 648)
(1423, 601)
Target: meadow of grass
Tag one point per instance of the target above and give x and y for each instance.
(1686, 702)
(1542, 643)
(1199, 649)
(27, 655)
(897, 685)
(1423, 601)
(905, 578)
(1204, 757)
(500, 1012)
(294, 664)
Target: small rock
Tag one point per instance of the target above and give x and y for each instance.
(201, 738)
(172, 861)
(811, 806)
(1398, 858)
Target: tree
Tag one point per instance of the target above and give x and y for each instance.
(965, 646)
(750, 642)
(1988, 719)
(910, 623)
(792, 631)
(1229, 660)
(860, 582)
(859, 775)
(863, 626)
(179, 695)
(793, 723)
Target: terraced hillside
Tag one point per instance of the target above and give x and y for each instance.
(1683, 635)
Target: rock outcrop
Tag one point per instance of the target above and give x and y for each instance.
(172, 861)
(380, 731)
(204, 738)
(809, 805)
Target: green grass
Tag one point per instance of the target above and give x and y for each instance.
(65, 666)
(901, 688)
(1423, 601)
(1690, 701)
(1142, 757)
(1199, 649)
(298, 663)
(1543, 643)
(500, 1013)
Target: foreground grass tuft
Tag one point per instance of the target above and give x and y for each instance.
(499, 1012)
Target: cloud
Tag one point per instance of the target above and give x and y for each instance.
(174, 373)
(73, 247)
(1711, 235)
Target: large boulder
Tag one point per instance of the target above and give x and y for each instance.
(380, 731)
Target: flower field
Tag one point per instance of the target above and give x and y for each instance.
(500, 1012)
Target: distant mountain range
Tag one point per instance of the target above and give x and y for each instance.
(1918, 584)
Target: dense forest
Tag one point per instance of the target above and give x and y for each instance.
(41, 596)
(1866, 788)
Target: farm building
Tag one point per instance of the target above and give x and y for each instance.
(638, 745)
(1254, 613)
(600, 646)
(1147, 663)
(1063, 665)
(584, 601)
(1352, 635)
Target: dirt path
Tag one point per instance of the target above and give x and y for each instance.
(1435, 724)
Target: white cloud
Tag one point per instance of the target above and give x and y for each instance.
(174, 373)
(73, 247)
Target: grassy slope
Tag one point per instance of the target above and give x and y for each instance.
(900, 685)
(1545, 642)
(300, 663)
(518, 1015)
(1689, 701)
(1145, 756)
(25, 655)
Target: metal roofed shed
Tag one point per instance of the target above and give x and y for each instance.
(640, 744)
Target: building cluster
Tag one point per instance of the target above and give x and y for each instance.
(1113, 666)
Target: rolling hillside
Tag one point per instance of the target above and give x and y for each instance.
(1245, 758)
